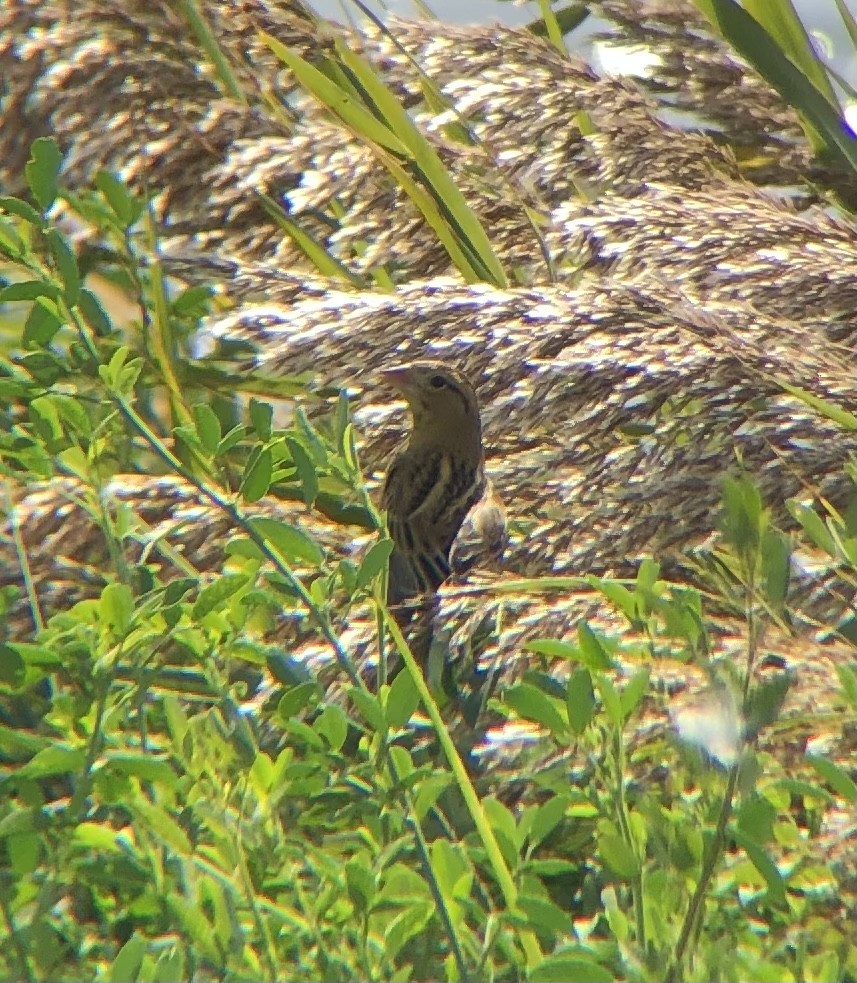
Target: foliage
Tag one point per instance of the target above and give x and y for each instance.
(184, 800)
(771, 37)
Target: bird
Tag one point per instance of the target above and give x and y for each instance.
(443, 514)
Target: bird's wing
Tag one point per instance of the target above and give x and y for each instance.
(482, 538)
(415, 567)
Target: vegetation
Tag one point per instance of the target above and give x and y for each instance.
(157, 824)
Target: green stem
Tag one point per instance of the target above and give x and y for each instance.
(252, 901)
(715, 848)
(209, 45)
(25, 971)
(468, 792)
(23, 560)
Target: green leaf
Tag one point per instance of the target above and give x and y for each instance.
(552, 868)
(466, 238)
(781, 21)
(543, 916)
(593, 654)
(21, 209)
(213, 597)
(128, 960)
(302, 733)
(848, 682)
(193, 302)
(610, 699)
(320, 257)
(313, 441)
(406, 926)
(33, 654)
(370, 708)
(564, 969)
(43, 413)
(547, 817)
(837, 778)
(42, 323)
(24, 854)
(126, 207)
(402, 700)
(42, 171)
(813, 526)
(620, 597)
(618, 856)
(12, 246)
(355, 94)
(94, 313)
(374, 562)
(428, 793)
(176, 589)
(361, 883)
(776, 567)
(66, 264)
(756, 818)
(580, 700)
(12, 670)
(831, 411)
(765, 701)
(298, 698)
(755, 44)
(121, 372)
(634, 691)
(291, 543)
(257, 476)
(553, 648)
(306, 470)
(117, 607)
(232, 438)
(647, 575)
(531, 703)
(28, 290)
(850, 23)
(332, 725)
(98, 836)
(60, 759)
(335, 98)
(261, 417)
(765, 866)
(166, 830)
(742, 515)
(23, 821)
(170, 967)
(207, 427)
(148, 767)
(505, 828)
(566, 19)
(401, 763)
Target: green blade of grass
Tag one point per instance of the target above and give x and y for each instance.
(821, 117)
(552, 28)
(326, 264)
(780, 20)
(848, 20)
(372, 113)
(451, 202)
(830, 410)
(339, 102)
(209, 45)
(567, 19)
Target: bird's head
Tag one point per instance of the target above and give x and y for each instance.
(442, 402)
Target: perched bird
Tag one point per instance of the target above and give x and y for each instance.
(442, 512)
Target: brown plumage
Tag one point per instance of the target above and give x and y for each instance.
(442, 513)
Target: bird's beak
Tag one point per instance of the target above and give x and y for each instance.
(399, 377)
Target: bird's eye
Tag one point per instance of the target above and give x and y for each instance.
(437, 382)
